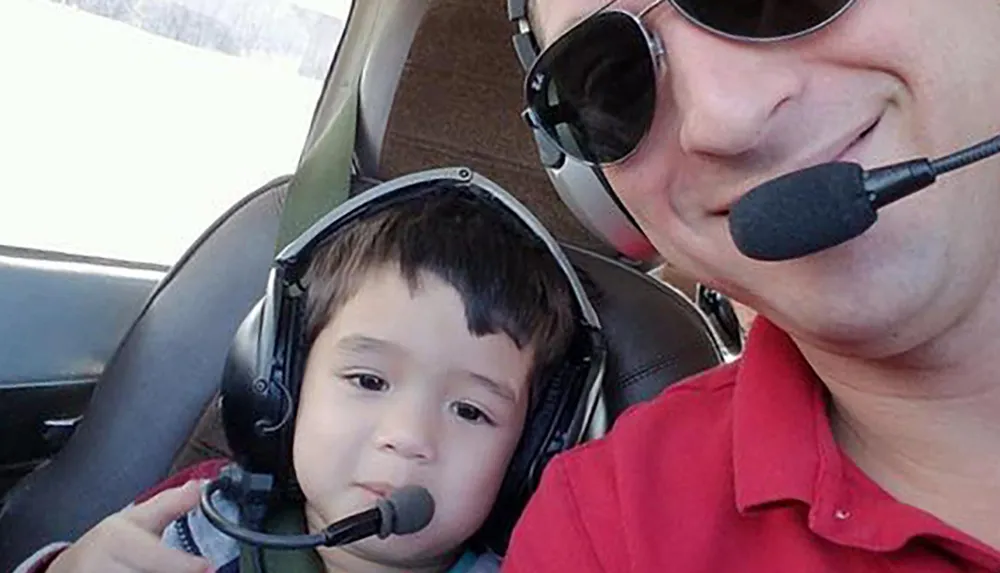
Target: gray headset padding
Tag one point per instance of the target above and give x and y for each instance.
(587, 197)
(581, 187)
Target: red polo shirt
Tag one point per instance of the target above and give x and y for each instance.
(733, 470)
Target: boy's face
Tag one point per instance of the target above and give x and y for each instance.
(397, 391)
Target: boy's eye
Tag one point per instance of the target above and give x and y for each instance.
(369, 382)
(471, 413)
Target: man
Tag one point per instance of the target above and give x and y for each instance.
(861, 429)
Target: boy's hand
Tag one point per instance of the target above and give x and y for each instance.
(130, 539)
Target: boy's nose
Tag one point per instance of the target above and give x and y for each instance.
(409, 432)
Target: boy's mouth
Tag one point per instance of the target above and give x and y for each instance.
(380, 489)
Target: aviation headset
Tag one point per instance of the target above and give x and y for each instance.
(263, 370)
(583, 188)
(587, 193)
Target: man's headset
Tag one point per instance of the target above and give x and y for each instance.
(263, 371)
(584, 189)
(589, 196)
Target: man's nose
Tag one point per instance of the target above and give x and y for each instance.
(726, 93)
(409, 430)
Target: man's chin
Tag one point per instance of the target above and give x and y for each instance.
(866, 333)
(861, 312)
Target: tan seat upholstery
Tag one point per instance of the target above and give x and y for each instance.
(458, 103)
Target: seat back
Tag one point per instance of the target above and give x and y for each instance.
(656, 337)
(154, 388)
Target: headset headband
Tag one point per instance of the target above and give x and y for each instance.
(289, 265)
(290, 257)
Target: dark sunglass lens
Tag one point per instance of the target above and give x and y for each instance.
(593, 90)
(761, 18)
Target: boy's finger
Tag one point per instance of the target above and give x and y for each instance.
(156, 513)
(144, 552)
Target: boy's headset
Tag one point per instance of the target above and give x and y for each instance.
(263, 371)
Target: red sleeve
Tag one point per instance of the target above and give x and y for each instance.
(205, 470)
(555, 534)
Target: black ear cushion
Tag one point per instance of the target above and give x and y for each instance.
(258, 408)
(553, 414)
(240, 400)
(543, 437)
(251, 403)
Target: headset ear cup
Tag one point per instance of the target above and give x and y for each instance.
(587, 194)
(545, 435)
(513, 494)
(722, 315)
(258, 407)
(241, 390)
(581, 187)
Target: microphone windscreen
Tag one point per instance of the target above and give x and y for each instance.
(802, 212)
(410, 509)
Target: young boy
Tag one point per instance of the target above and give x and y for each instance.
(429, 325)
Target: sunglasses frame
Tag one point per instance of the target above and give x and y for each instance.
(765, 39)
(531, 116)
(656, 52)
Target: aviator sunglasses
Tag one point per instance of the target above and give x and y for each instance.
(592, 92)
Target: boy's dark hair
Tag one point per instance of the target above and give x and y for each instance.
(507, 279)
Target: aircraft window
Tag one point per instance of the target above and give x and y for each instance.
(128, 126)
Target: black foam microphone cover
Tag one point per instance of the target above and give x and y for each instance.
(406, 510)
(802, 212)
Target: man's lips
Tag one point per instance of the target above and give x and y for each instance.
(850, 153)
(842, 150)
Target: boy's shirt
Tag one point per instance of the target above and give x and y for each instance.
(194, 534)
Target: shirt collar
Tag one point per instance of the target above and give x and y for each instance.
(780, 426)
(784, 451)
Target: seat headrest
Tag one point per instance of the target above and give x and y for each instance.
(458, 102)
(656, 336)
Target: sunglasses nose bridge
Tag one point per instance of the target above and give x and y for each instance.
(653, 6)
(654, 41)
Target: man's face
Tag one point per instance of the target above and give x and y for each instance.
(890, 80)
(398, 391)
